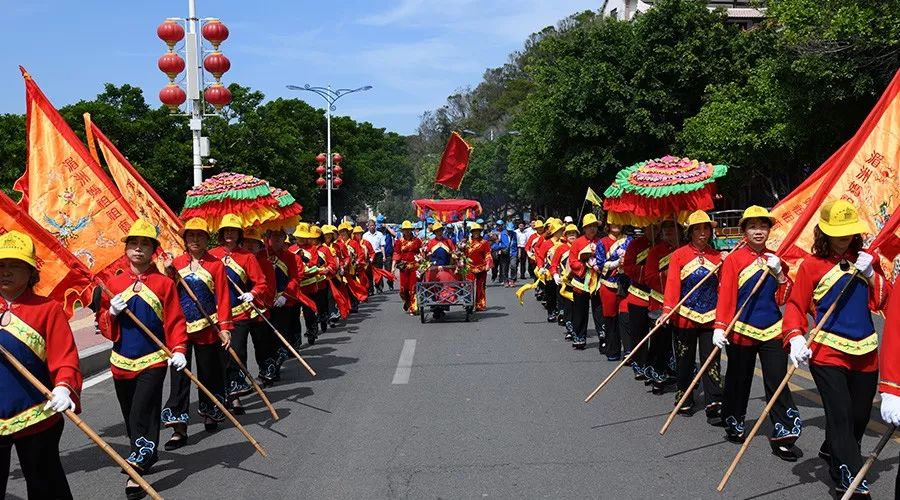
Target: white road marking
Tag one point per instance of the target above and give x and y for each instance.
(96, 379)
(404, 365)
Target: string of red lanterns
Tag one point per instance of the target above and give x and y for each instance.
(336, 171)
(170, 63)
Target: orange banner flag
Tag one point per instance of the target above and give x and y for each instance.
(66, 191)
(136, 192)
(865, 171)
(454, 162)
(63, 277)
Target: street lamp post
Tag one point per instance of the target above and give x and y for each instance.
(331, 96)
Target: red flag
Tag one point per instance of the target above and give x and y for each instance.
(357, 289)
(381, 273)
(340, 299)
(454, 162)
(63, 276)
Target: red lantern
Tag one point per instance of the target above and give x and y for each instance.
(218, 95)
(337, 158)
(217, 64)
(172, 96)
(170, 32)
(215, 32)
(336, 182)
(171, 64)
(320, 182)
(320, 170)
(321, 158)
(338, 170)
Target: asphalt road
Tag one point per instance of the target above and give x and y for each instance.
(488, 409)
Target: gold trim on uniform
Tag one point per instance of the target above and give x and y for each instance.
(760, 334)
(845, 345)
(24, 333)
(27, 418)
(136, 365)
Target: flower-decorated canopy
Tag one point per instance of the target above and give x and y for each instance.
(243, 195)
(447, 210)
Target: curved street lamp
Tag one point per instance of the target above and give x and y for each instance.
(331, 96)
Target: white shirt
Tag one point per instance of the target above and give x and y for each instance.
(375, 239)
(522, 236)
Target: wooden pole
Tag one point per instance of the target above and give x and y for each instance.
(234, 355)
(712, 355)
(275, 331)
(781, 386)
(656, 328)
(81, 424)
(189, 375)
(861, 475)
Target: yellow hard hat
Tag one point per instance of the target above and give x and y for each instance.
(840, 218)
(358, 229)
(554, 227)
(571, 228)
(406, 225)
(699, 217)
(436, 226)
(588, 220)
(302, 231)
(195, 224)
(253, 233)
(142, 228)
(231, 221)
(329, 229)
(315, 232)
(18, 245)
(475, 227)
(756, 211)
(345, 226)
(538, 224)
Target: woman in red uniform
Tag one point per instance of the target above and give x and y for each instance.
(693, 321)
(610, 252)
(757, 332)
(638, 299)
(406, 253)
(889, 383)
(660, 356)
(478, 251)
(585, 281)
(844, 358)
(285, 313)
(558, 266)
(205, 275)
(138, 364)
(28, 421)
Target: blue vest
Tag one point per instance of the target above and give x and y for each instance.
(21, 405)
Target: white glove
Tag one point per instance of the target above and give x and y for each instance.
(557, 278)
(864, 264)
(178, 361)
(774, 263)
(612, 264)
(117, 304)
(890, 408)
(61, 400)
(592, 262)
(246, 297)
(719, 338)
(800, 354)
(280, 301)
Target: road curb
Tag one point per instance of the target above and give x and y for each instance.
(94, 359)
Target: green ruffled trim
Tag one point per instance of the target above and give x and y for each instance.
(193, 201)
(622, 184)
(285, 200)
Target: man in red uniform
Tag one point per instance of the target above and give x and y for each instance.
(478, 251)
(406, 254)
(32, 424)
(138, 363)
(205, 275)
(246, 283)
(585, 281)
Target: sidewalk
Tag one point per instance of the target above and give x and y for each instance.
(93, 348)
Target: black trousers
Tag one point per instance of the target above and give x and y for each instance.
(263, 348)
(551, 295)
(389, 267)
(211, 373)
(503, 266)
(785, 416)
(39, 460)
(310, 317)
(287, 320)
(660, 351)
(847, 398)
(321, 299)
(376, 283)
(638, 328)
(686, 344)
(564, 306)
(140, 399)
(582, 304)
(495, 257)
(618, 334)
(523, 263)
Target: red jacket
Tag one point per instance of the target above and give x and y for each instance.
(583, 276)
(288, 273)
(687, 267)
(850, 325)
(51, 357)
(243, 268)
(210, 285)
(156, 305)
(656, 272)
(407, 250)
(530, 244)
(479, 254)
(889, 376)
(633, 266)
(560, 254)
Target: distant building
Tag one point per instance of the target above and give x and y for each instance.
(740, 12)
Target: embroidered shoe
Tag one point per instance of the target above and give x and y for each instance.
(861, 491)
(714, 414)
(638, 371)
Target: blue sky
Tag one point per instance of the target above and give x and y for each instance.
(414, 52)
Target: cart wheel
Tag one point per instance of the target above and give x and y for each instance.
(422, 315)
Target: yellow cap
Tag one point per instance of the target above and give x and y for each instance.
(588, 220)
(329, 229)
(195, 224)
(436, 226)
(358, 230)
(17, 245)
(231, 221)
(475, 227)
(571, 228)
(142, 228)
(840, 218)
(406, 225)
(302, 231)
(538, 224)
(756, 211)
(253, 233)
(700, 217)
(554, 227)
(345, 226)
(315, 232)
